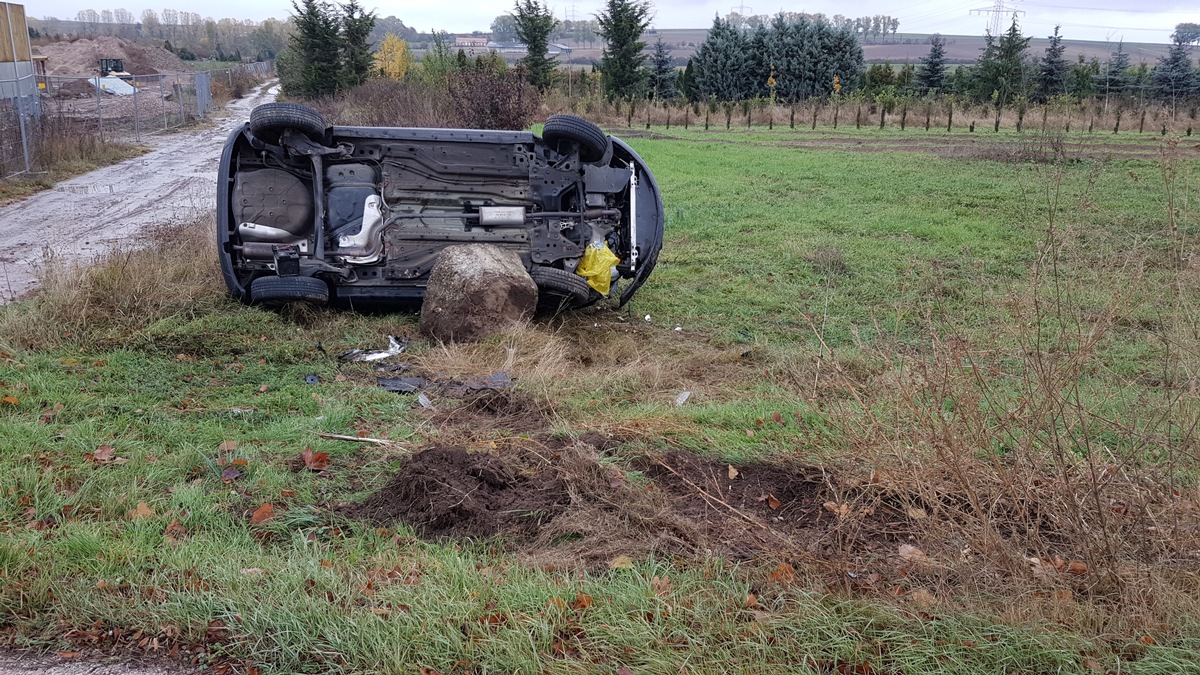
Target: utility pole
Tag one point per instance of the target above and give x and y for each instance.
(742, 9)
(997, 11)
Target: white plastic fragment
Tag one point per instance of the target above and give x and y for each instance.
(424, 401)
(647, 318)
(682, 398)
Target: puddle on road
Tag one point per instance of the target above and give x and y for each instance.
(87, 189)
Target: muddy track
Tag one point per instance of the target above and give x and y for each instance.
(114, 206)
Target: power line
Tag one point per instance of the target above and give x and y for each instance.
(997, 11)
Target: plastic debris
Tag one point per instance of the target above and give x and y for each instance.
(682, 398)
(647, 318)
(395, 347)
(424, 401)
(403, 385)
(678, 329)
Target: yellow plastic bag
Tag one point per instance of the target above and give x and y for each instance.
(596, 266)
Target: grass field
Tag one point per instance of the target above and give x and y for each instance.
(942, 417)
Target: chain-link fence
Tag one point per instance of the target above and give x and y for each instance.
(20, 107)
(122, 109)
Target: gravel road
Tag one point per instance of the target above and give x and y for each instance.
(90, 214)
(16, 663)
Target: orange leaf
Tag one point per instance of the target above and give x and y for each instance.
(9, 399)
(1147, 640)
(68, 655)
(558, 603)
(175, 531)
(315, 461)
(783, 574)
(777, 418)
(263, 514)
(287, 493)
(773, 502)
(582, 601)
(1077, 568)
(142, 510)
(750, 601)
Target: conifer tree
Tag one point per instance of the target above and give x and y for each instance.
(663, 78)
(1053, 69)
(931, 74)
(621, 25)
(534, 24)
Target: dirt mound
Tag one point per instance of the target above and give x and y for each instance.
(563, 503)
(448, 492)
(82, 57)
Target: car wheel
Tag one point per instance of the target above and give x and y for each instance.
(273, 291)
(269, 120)
(562, 130)
(559, 289)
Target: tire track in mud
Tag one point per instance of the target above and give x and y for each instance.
(111, 207)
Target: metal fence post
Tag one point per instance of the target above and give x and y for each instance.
(162, 98)
(137, 126)
(99, 110)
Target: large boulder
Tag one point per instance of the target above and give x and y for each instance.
(474, 291)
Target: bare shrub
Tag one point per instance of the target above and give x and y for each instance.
(483, 100)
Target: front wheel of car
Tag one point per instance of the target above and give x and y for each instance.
(275, 291)
(562, 131)
(269, 120)
(559, 290)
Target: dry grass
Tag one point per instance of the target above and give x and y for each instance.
(107, 299)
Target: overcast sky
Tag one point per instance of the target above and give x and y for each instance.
(1109, 20)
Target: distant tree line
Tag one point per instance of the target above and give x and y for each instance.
(1007, 74)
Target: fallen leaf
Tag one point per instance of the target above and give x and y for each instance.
(750, 601)
(916, 513)
(750, 433)
(262, 514)
(68, 655)
(582, 601)
(839, 510)
(912, 553)
(733, 473)
(314, 461)
(142, 510)
(1147, 639)
(175, 532)
(287, 493)
(227, 446)
(661, 585)
(922, 598)
(621, 562)
(771, 500)
(624, 670)
(777, 418)
(556, 603)
(783, 574)
(326, 563)
(9, 399)
(230, 474)
(103, 454)
(264, 389)
(1077, 568)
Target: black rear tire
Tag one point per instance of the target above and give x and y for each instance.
(562, 131)
(559, 290)
(269, 120)
(276, 291)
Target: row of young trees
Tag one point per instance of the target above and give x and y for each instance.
(1006, 73)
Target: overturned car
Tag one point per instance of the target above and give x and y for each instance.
(358, 215)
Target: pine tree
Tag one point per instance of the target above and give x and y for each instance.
(315, 43)
(761, 62)
(931, 74)
(663, 74)
(722, 62)
(534, 24)
(621, 25)
(1173, 78)
(357, 61)
(1113, 79)
(1000, 73)
(1053, 69)
(687, 83)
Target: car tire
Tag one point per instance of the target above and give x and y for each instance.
(559, 290)
(563, 130)
(269, 120)
(274, 291)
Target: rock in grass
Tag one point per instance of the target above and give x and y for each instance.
(476, 290)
